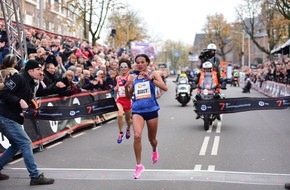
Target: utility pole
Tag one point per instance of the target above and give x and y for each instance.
(249, 50)
(243, 49)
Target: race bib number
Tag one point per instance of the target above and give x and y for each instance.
(142, 90)
(121, 91)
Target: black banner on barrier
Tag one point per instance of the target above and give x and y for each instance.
(97, 107)
(233, 105)
(43, 131)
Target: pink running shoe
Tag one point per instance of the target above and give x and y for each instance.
(138, 171)
(155, 157)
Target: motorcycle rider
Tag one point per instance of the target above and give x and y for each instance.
(181, 77)
(211, 48)
(212, 51)
(206, 70)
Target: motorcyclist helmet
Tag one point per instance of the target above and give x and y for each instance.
(211, 46)
(207, 66)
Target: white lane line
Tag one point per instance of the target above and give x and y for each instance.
(215, 146)
(15, 161)
(53, 145)
(110, 121)
(197, 167)
(77, 135)
(97, 127)
(204, 146)
(211, 167)
(209, 129)
(218, 127)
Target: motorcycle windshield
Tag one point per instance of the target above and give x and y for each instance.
(207, 82)
(183, 81)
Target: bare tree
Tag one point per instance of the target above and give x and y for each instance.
(260, 17)
(284, 8)
(129, 27)
(176, 53)
(93, 14)
(218, 31)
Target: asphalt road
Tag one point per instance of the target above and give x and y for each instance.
(244, 151)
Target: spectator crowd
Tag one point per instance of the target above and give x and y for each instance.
(76, 63)
(277, 71)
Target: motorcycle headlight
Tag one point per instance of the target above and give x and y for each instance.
(205, 92)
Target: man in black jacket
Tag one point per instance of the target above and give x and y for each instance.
(15, 97)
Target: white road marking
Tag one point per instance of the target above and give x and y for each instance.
(53, 145)
(204, 146)
(211, 167)
(215, 146)
(209, 129)
(97, 127)
(197, 167)
(77, 135)
(110, 121)
(218, 127)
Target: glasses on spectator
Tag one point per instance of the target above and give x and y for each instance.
(123, 67)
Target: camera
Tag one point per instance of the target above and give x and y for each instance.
(204, 55)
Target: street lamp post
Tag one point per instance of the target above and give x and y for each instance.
(249, 51)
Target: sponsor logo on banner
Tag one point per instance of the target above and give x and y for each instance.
(76, 101)
(4, 142)
(53, 124)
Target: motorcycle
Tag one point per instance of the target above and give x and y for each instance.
(208, 91)
(183, 91)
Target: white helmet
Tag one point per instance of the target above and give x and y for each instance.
(211, 46)
(207, 65)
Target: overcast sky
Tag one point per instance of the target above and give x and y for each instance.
(181, 20)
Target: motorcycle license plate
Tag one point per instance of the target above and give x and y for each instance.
(182, 94)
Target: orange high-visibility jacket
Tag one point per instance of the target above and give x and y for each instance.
(213, 75)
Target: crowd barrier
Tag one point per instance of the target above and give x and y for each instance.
(272, 89)
(42, 132)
